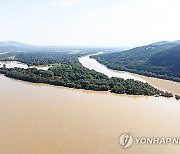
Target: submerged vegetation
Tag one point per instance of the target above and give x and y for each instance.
(66, 71)
(177, 97)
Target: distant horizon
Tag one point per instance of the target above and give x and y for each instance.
(101, 23)
(95, 46)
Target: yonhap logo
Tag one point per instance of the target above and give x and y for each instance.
(126, 140)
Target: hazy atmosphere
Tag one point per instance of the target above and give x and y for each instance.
(89, 22)
(89, 76)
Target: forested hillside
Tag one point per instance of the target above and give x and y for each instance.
(169, 58)
(153, 60)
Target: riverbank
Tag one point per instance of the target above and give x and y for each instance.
(161, 84)
(70, 75)
(73, 75)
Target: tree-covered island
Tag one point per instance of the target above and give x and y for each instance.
(65, 70)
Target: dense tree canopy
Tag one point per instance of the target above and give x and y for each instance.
(160, 61)
(66, 71)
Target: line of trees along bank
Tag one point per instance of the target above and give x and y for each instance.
(66, 71)
(160, 61)
(73, 75)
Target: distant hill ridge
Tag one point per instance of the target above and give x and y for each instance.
(13, 46)
(14, 43)
(161, 59)
(19, 44)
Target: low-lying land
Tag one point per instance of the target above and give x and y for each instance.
(66, 71)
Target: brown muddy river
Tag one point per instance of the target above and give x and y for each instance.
(44, 119)
(165, 85)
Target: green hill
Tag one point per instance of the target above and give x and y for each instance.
(169, 58)
(159, 60)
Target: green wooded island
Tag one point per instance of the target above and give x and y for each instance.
(65, 69)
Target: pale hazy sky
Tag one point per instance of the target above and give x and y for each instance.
(89, 22)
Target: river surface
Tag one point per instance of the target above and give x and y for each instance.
(13, 64)
(44, 119)
(165, 85)
(2, 53)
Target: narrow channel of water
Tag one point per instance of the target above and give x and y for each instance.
(91, 63)
(13, 64)
(43, 119)
(165, 85)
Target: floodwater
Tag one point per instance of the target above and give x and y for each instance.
(12, 64)
(43, 119)
(45, 68)
(165, 85)
(91, 63)
(2, 53)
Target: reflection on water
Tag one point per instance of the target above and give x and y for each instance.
(45, 68)
(13, 64)
(43, 119)
(165, 85)
(2, 53)
(93, 64)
